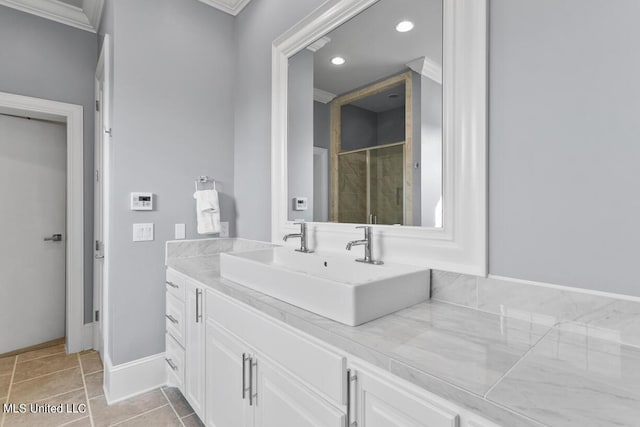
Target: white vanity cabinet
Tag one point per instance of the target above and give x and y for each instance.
(261, 374)
(381, 400)
(185, 338)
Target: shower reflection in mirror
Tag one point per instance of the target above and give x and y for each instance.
(365, 119)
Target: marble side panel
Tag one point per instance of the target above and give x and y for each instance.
(538, 304)
(571, 379)
(454, 288)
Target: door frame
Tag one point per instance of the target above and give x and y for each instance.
(72, 116)
(101, 142)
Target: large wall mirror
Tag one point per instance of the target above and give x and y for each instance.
(379, 117)
(365, 119)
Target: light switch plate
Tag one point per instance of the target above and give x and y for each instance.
(224, 229)
(143, 232)
(180, 232)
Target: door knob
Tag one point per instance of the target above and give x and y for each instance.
(54, 238)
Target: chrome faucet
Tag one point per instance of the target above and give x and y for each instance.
(303, 237)
(367, 242)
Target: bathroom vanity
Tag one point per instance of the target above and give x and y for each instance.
(241, 357)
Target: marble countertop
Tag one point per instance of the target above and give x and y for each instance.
(513, 371)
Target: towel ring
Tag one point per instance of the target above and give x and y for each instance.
(204, 180)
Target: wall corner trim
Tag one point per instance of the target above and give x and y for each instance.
(130, 379)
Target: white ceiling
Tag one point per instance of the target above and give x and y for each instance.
(374, 49)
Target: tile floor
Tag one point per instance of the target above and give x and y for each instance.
(49, 376)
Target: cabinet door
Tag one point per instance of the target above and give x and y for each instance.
(194, 350)
(282, 402)
(225, 404)
(382, 403)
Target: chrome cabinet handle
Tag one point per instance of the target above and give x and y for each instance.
(252, 396)
(198, 309)
(173, 285)
(171, 364)
(244, 374)
(349, 380)
(172, 319)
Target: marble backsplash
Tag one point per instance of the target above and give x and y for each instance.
(177, 249)
(597, 316)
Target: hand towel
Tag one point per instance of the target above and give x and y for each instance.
(207, 211)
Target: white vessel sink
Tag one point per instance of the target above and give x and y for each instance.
(332, 286)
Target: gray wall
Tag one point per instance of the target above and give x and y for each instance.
(321, 125)
(173, 100)
(358, 128)
(44, 59)
(564, 148)
(255, 29)
(390, 126)
(300, 133)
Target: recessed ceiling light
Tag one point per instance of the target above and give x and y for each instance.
(338, 60)
(404, 26)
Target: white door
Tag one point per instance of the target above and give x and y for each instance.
(226, 405)
(282, 402)
(33, 174)
(195, 350)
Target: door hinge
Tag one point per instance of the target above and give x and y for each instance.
(97, 105)
(97, 176)
(97, 316)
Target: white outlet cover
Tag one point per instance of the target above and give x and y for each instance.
(180, 232)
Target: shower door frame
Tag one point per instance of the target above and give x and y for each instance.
(336, 141)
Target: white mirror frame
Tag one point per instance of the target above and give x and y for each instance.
(461, 245)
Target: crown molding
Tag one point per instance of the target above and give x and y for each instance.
(86, 18)
(93, 10)
(318, 44)
(232, 7)
(322, 96)
(427, 68)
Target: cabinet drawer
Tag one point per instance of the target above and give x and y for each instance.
(176, 284)
(175, 318)
(312, 363)
(174, 357)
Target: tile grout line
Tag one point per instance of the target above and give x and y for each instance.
(485, 396)
(44, 375)
(171, 406)
(86, 392)
(74, 421)
(37, 358)
(137, 416)
(6, 400)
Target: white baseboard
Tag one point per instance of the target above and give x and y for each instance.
(87, 336)
(130, 379)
